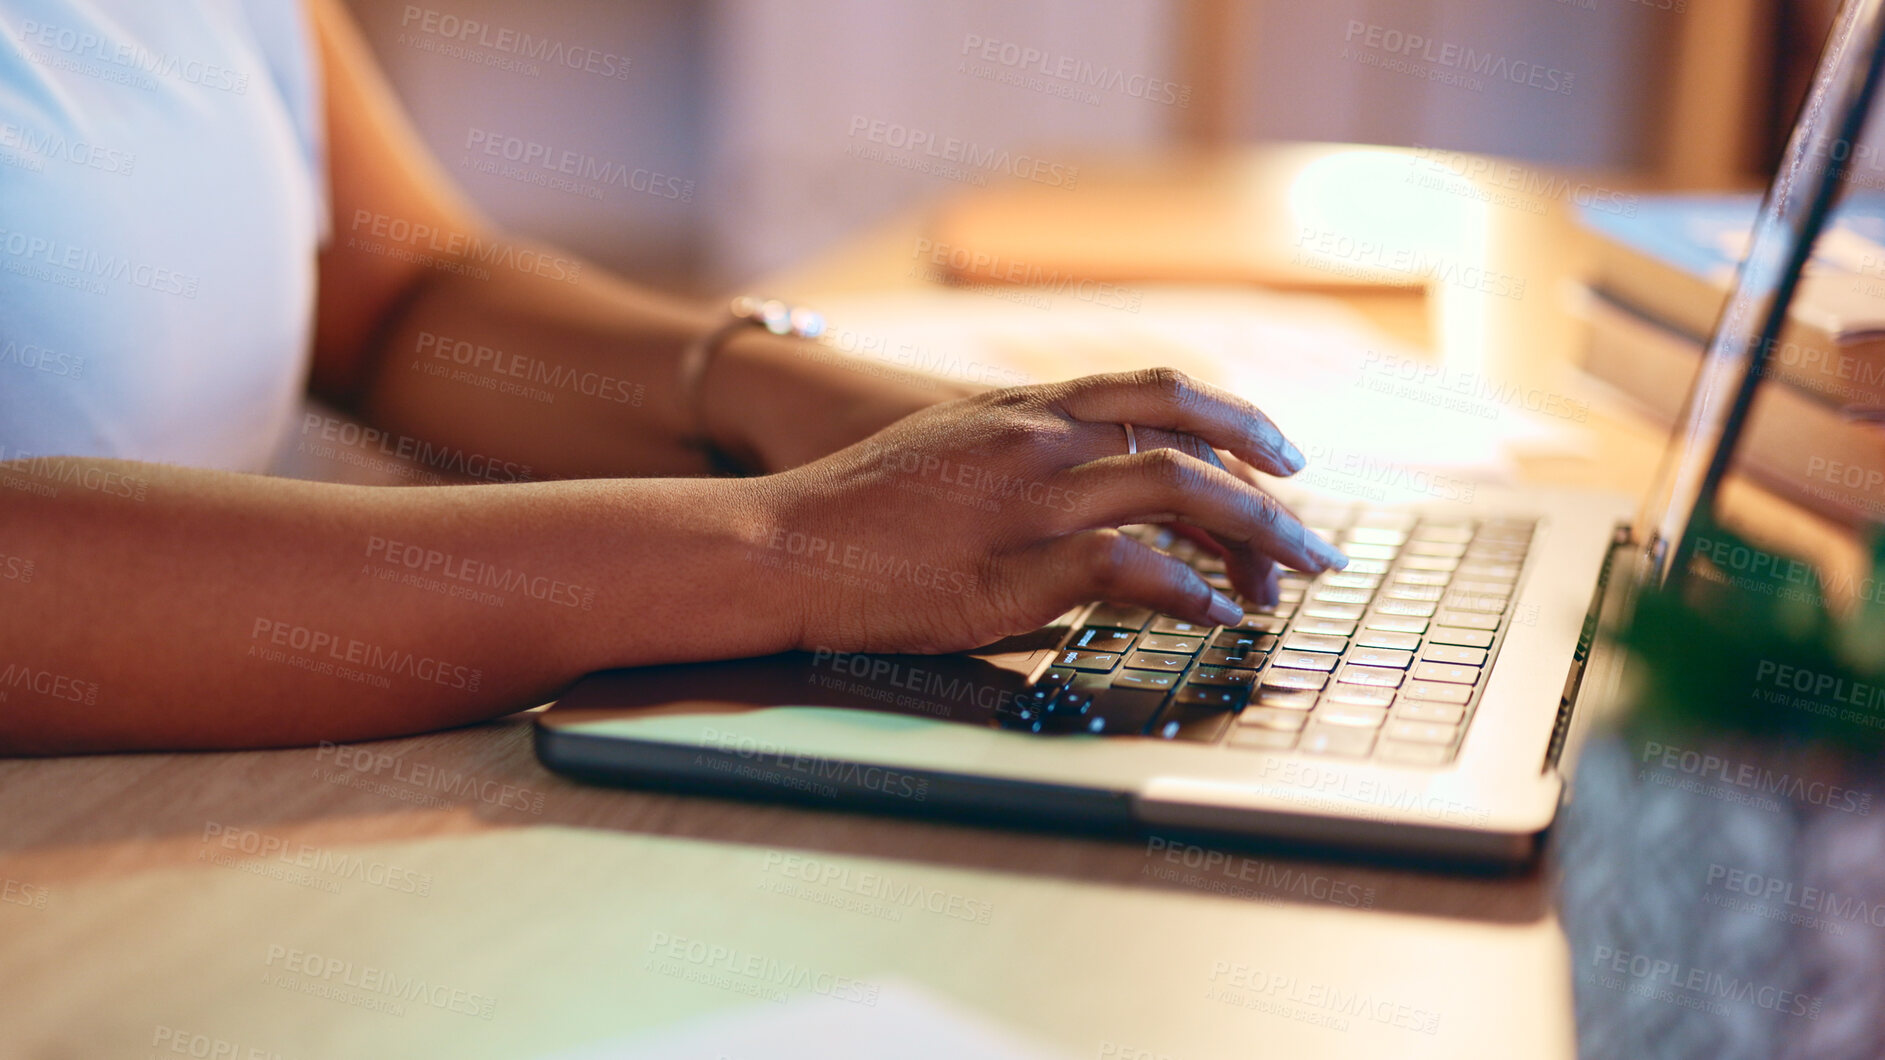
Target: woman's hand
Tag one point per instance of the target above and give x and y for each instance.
(773, 402)
(991, 515)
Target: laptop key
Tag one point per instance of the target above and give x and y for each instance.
(1314, 642)
(1223, 676)
(1377, 676)
(1446, 672)
(1223, 697)
(1237, 641)
(1434, 563)
(1421, 577)
(1273, 718)
(1151, 680)
(1100, 638)
(1366, 566)
(1483, 603)
(1285, 699)
(1119, 616)
(1124, 710)
(1397, 623)
(1400, 660)
(1190, 721)
(1345, 580)
(1304, 660)
(1423, 593)
(1252, 739)
(1363, 550)
(1425, 710)
(1090, 661)
(1328, 627)
(1354, 714)
(1169, 642)
(1427, 547)
(1160, 661)
(1260, 624)
(1467, 619)
(1338, 612)
(1474, 569)
(1381, 638)
(1455, 533)
(1296, 680)
(1441, 693)
(1359, 695)
(1342, 740)
(1236, 660)
(1405, 608)
(1450, 653)
(1419, 732)
(1343, 596)
(1471, 638)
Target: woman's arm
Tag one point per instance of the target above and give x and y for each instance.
(433, 324)
(154, 607)
(167, 607)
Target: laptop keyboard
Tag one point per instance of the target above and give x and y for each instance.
(1385, 660)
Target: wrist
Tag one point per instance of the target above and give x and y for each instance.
(748, 385)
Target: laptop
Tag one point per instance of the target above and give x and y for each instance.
(1426, 702)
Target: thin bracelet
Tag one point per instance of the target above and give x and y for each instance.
(745, 311)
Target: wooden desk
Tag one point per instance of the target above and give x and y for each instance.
(444, 895)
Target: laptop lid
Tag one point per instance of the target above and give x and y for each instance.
(1815, 168)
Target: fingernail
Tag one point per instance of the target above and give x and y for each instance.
(1293, 456)
(1223, 611)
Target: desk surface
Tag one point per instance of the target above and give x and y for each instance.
(445, 895)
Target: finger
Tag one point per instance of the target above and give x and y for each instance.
(1169, 399)
(1250, 572)
(1107, 565)
(1164, 485)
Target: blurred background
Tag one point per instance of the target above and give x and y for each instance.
(745, 127)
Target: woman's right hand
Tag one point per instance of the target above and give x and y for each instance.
(992, 515)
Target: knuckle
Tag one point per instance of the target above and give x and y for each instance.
(1169, 468)
(1168, 382)
(1106, 556)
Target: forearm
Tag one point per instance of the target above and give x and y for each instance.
(212, 610)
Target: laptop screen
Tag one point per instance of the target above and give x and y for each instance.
(1794, 445)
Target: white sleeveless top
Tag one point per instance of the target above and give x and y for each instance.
(162, 198)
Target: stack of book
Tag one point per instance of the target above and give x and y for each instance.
(1660, 278)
